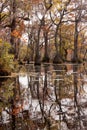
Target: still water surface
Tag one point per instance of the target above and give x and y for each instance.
(46, 97)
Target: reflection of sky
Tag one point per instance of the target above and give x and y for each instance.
(32, 104)
(66, 102)
(23, 80)
(5, 116)
(24, 38)
(85, 87)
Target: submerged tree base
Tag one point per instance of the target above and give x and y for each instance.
(37, 60)
(46, 59)
(57, 59)
(76, 60)
(4, 72)
(37, 63)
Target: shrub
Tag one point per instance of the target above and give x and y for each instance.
(6, 59)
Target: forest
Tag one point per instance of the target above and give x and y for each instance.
(51, 31)
(43, 64)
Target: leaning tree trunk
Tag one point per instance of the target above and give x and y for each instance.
(57, 58)
(37, 49)
(78, 16)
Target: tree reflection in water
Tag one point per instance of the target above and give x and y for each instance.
(45, 98)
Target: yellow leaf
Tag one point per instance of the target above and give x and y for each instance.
(0, 40)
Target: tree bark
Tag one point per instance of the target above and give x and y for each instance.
(57, 58)
(46, 57)
(75, 55)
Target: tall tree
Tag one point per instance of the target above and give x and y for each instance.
(57, 13)
(79, 12)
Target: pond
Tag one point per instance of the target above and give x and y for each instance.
(46, 97)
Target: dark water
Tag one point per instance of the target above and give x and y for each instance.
(46, 97)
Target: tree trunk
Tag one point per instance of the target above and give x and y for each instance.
(57, 58)
(37, 51)
(75, 55)
(13, 41)
(37, 56)
(46, 57)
